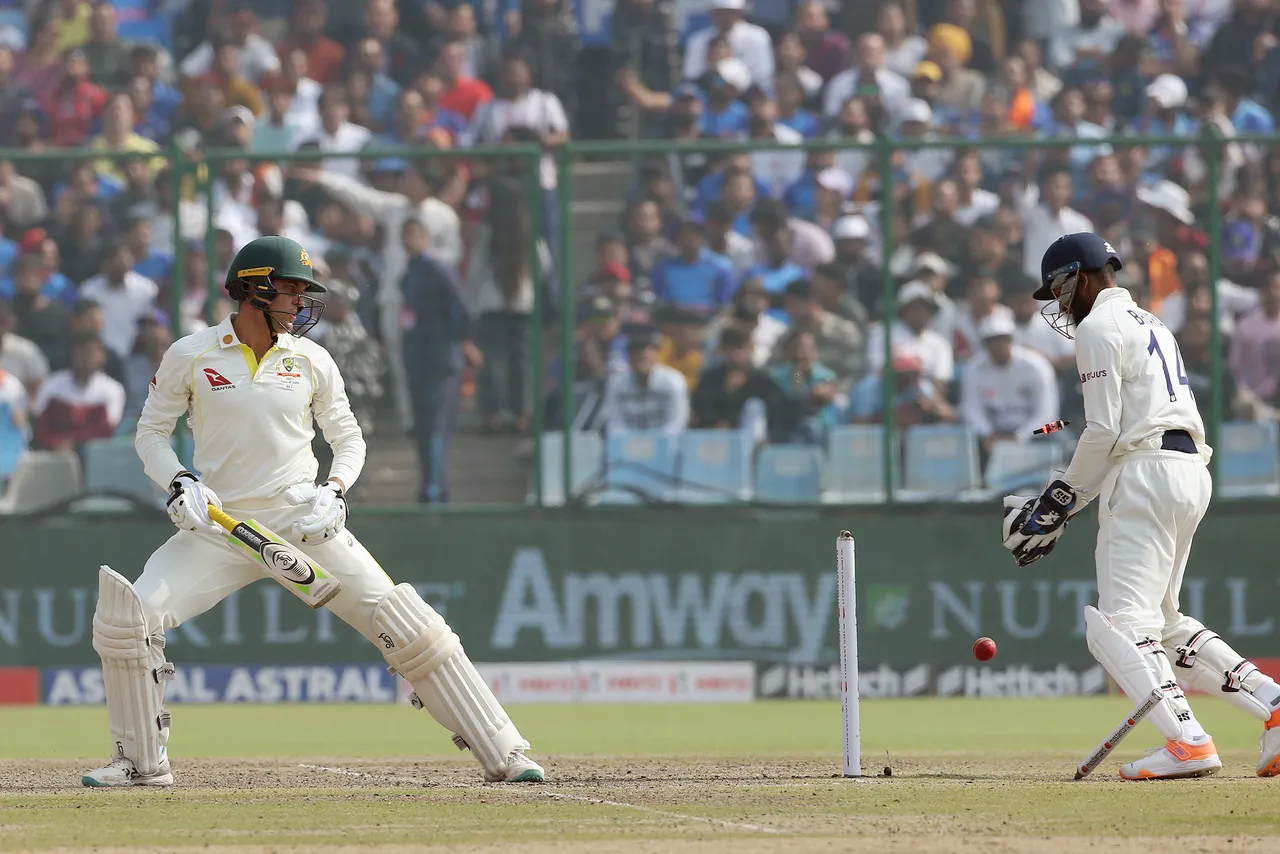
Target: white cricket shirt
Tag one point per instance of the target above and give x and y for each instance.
(252, 421)
(1135, 389)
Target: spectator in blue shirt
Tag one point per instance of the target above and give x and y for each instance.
(1164, 116)
(790, 98)
(712, 185)
(811, 385)
(801, 198)
(723, 115)
(156, 266)
(57, 287)
(1247, 115)
(696, 279)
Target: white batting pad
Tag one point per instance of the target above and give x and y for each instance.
(1136, 671)
(1209, 663)
(134, 671)
(420, 646)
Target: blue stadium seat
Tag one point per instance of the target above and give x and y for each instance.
(789, 474)
(1248, 459)
(1022, 465)
(942, 462)
(13, 443)
(855, 464)
(112, 469)
(638, 465)
(715, 467)
(588, 463)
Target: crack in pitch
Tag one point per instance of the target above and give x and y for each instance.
(563, 796)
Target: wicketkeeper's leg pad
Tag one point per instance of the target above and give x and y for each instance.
(419, 645)
(1139, 666)
(1209, 663)
(134, 671)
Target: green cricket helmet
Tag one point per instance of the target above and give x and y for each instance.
(268, 259)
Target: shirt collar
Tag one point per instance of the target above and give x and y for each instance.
(227, 336)
(1108, 294)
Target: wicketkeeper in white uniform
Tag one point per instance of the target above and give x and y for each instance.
(1143, 455)
(251, 388)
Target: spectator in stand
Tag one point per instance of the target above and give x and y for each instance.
(868, 78)
(79, 404)
(545, 32)
(19, 356)
(1255, 344)
(86, 240)
(723, 238)
(646, 244)
(125, 296)
(74, 104)
(1006, 391)
(144, 62)
(780, 237)
(338, 134)
(382, 22)
(983, 300)
(918, 400)
(831, 193)
(118, 136)
(306, 33)
(139, 236)
(903, 50)
(1032, 332)
(862, 277)
(109, 61)
(38, 244)
(280, 129)
(647, 396)
(140, 368)
(463, 91)
(810, 385)
(372, 92)
(747, 43)
(73, 20)
(12, 91)
(696, 278)
(43, 321)
(481, 52)
(841, 346)
(974, 201)
(911, 333)
(829, 290)
(790, 58)
(682, 342)
(724, 388)
(22, 201)
(749, 313)
(941, 231)
(39, 68)
(1048, 217)
(254, 55)
(1079, 52)
(828, 51)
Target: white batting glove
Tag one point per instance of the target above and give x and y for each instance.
(328, 513)
(188, 504)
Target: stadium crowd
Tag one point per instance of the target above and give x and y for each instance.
(729, 279)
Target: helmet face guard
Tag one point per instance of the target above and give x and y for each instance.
(256, 287)
(1063, 283)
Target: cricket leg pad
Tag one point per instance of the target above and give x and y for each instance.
(1133, 662)
(1206, 661)
(134, 671)
(419, 645)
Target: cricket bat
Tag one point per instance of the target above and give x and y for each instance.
(284, 561)
(1103, 750)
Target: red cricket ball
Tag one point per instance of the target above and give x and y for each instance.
(984, 649)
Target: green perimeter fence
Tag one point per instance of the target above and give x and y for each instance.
(193, 177)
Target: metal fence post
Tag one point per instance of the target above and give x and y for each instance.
(533, 190)
(888, 312)
(1213, 143)
(178, 273)
(568, 310)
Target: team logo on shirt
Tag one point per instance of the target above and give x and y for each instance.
(217, 382)
(1092, 375)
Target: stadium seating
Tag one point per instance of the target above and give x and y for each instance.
(13, 443)
(715, 467)
(941, 464)
(1022, 465)
(638, 466)
(114, 477)
(789, 474)
(41, 480)
(1248, 459)
(855, 465)
(588, 465)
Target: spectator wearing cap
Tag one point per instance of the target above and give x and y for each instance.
(828, 50)
(37, 244)
(1163, 115)
(903, 49)
(960, 89)
(1006, 390)
(812, 387)
(867, 78)
(1255, 343)
(982, 302)
(255, 56)
(724, 239)
(724, 388)
(463, 91)
(832, 187)
(108, 57)
(1047, 216)
(20, 357)
(1169, 205)
(22, 201)
(74, 104)
(682, 341)
(306, 33)
(125, 296)
(648, 396)
(747, 42)
(917, 398)
(696, 278)
(911, 333)
(79, 404)
(861, 276)
(439, 327)
(840, 344)
(801, 198)
(780, 237)
(600, 345)
(1081, 51)
(118, 136)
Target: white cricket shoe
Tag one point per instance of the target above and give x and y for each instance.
(1269, 748)
(1177, 759)
(520, 769)
(122, 772)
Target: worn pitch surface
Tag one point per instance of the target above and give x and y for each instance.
(968, 776)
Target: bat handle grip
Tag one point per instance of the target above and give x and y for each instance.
(221, 518)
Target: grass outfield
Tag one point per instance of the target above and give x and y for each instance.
(968, 776)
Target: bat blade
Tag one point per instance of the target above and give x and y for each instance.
(284, 561)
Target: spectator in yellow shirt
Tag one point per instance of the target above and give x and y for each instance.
(118, 135)
(681, 346)
(73, 18)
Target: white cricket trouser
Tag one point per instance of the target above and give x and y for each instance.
(192, 572)
(1149, 509)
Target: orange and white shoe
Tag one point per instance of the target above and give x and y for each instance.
(1177, 759)
(1269, 748)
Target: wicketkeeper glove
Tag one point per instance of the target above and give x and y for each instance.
(1032, 525)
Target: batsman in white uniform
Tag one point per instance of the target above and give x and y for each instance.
(252, 388)
(1143, 456)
